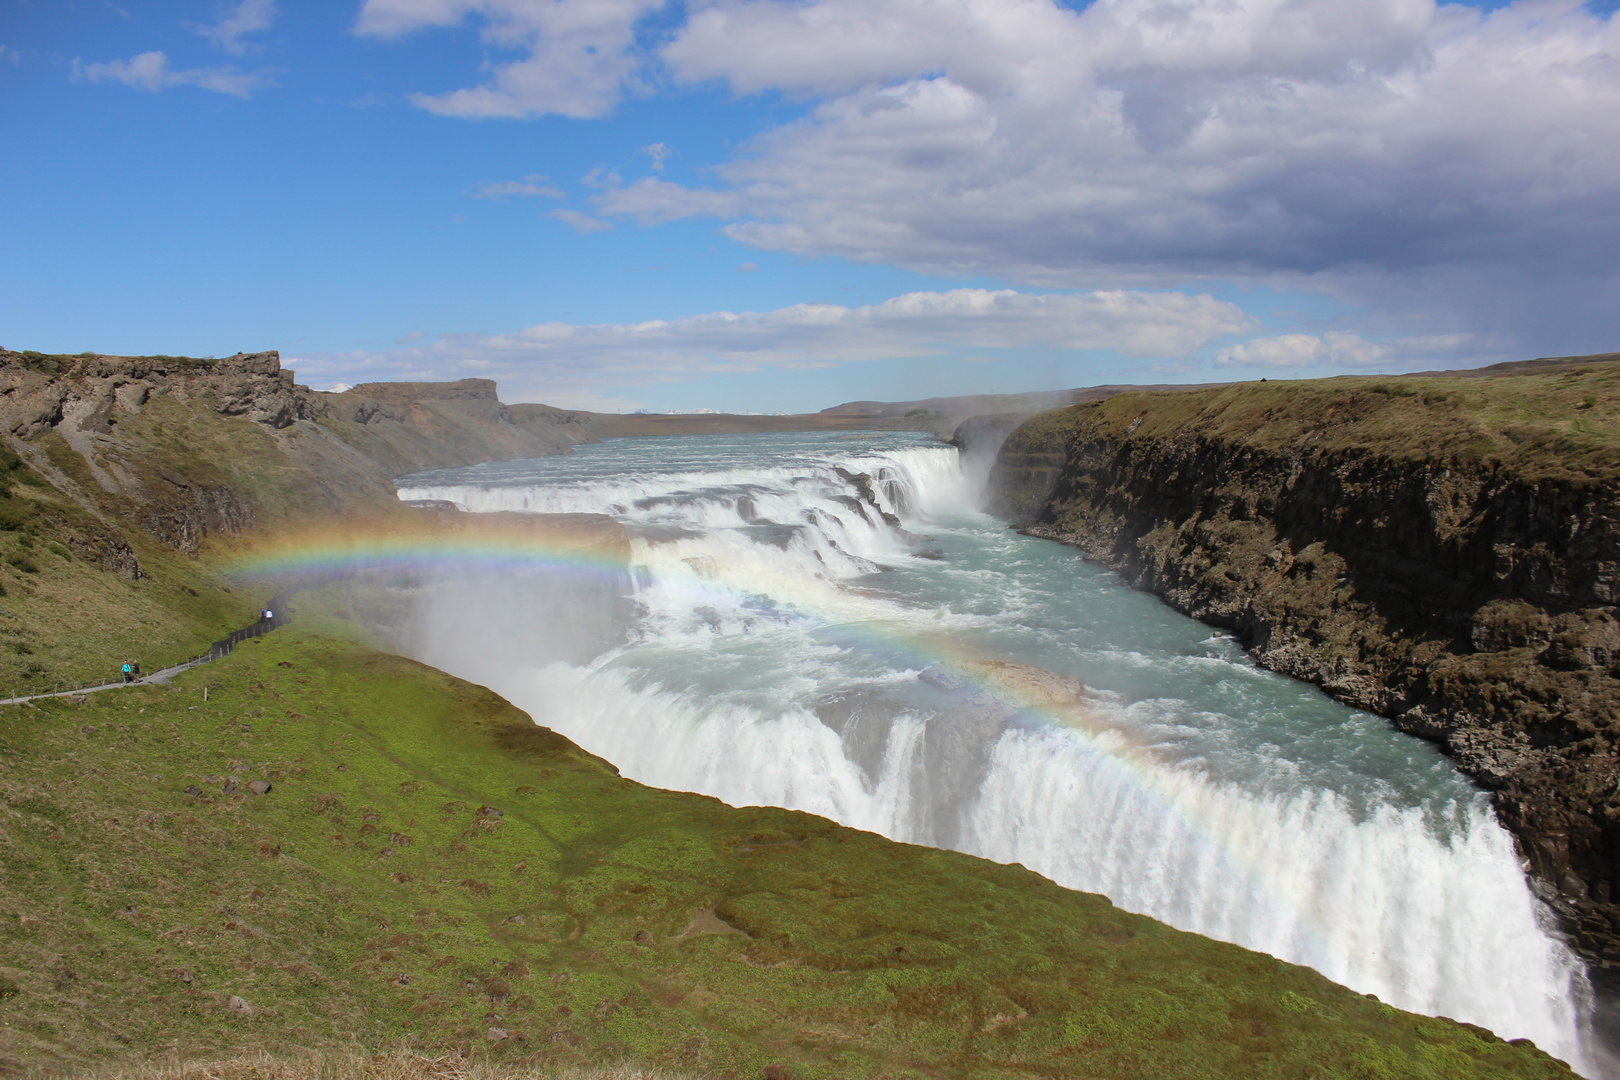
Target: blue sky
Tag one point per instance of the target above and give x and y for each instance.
(779, 206)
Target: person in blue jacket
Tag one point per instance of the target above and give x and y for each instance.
(129, 672)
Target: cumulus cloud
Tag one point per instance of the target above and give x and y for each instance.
(247, 17)
(528, 187)
(550, 359)
(151, 71)
(653, 201)
(579, 221)
(582, 54)
(658, 152)
(1443, 164)
(1302, 351)
(1157, 139)
(1445, 168)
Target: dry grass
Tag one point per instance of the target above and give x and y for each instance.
(1552, 425)
(399, 1064)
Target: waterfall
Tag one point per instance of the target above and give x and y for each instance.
(808, 612)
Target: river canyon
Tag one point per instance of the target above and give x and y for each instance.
(828, 622)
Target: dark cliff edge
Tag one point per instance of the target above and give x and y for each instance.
(1441, 550)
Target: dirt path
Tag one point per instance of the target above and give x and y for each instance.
(219, 649)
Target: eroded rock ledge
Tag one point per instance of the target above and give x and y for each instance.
(1445, 555)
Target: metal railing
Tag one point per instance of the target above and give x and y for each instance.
(236, 637)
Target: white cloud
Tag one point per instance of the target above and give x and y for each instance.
(151, 71)
(580, 222)
(1445, 168)
(1166, 139)
(247, 17)
(10, 55)
(1426, 157)
(528, 187)
(652, 201)
(914, 324)
(658, 152)
(546, 361)
(582, 54)
(1290, 351)
(1343, 349)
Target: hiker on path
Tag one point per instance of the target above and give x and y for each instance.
(136, 666)
(127, 671)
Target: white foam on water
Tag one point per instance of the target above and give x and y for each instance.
(1439, 924)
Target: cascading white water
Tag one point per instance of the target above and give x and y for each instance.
(786, 649)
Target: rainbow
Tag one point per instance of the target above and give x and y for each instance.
(343, 549)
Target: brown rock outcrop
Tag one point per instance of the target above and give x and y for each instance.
(38, 392)
(187, 512)
(415, 426)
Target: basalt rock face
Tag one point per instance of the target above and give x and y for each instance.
(40, 392)
(1471, 601)
(182, 517)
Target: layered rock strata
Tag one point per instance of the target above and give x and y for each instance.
(348, 447)
(1467, 592)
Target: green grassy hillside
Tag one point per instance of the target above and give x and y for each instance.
(430, 868)
(72, 608)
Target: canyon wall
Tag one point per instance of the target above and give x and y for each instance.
(1443, 552)
(187, 446)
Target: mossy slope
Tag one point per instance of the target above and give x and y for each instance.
(430, 865)
(83, 588)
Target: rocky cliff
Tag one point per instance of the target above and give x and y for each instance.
(151, 430)
(414, 426)
(1442, 551)
(119, 476)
